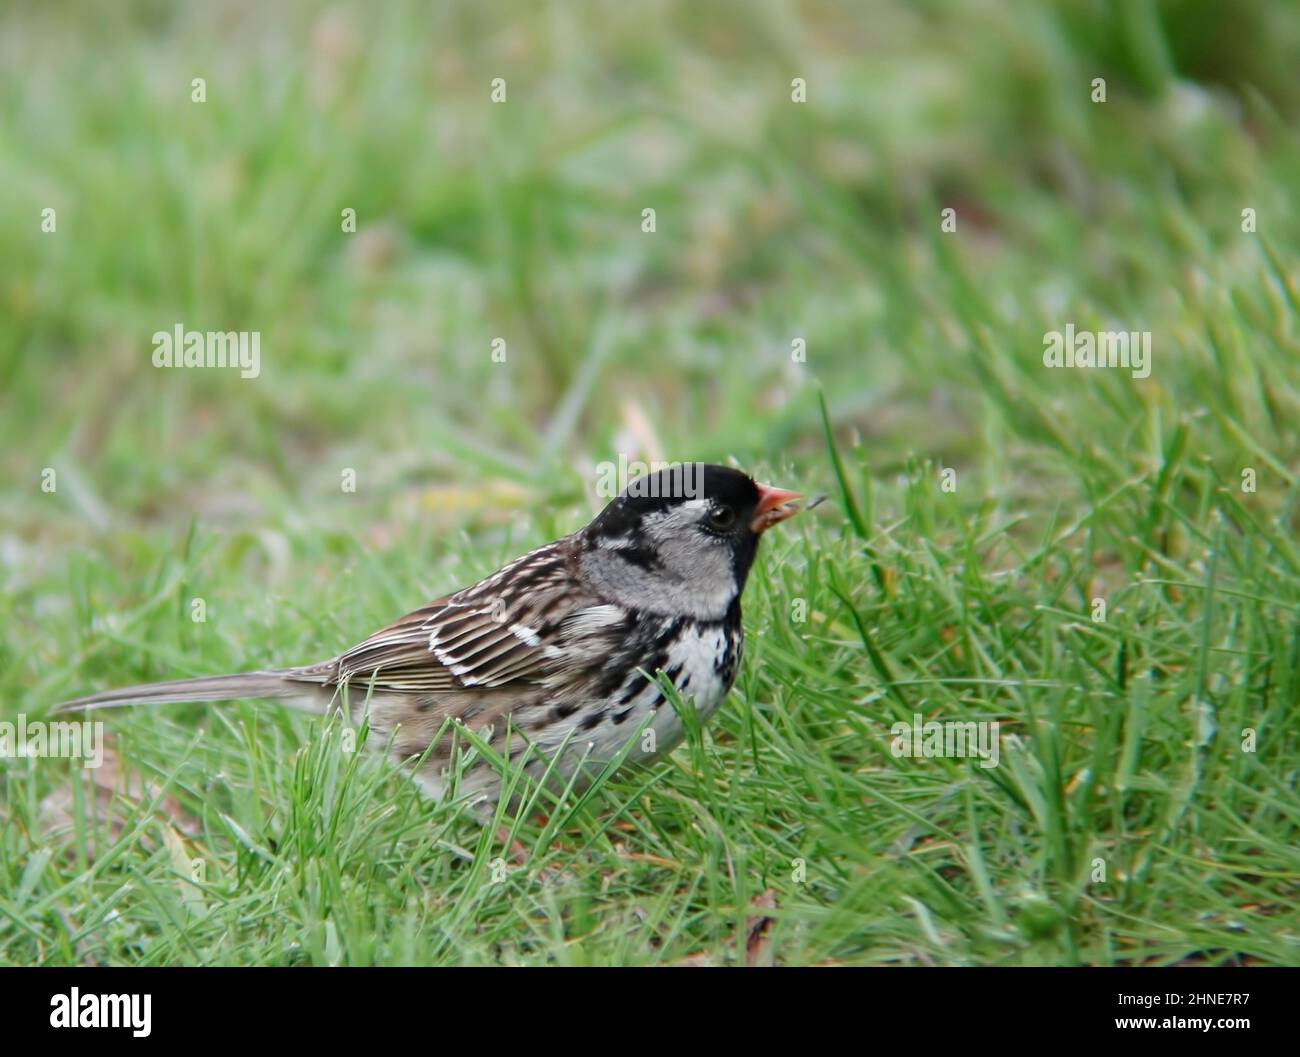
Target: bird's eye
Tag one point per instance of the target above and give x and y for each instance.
(722, 518)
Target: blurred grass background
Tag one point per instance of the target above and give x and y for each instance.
(775, 221)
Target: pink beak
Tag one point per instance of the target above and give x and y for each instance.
(771, 507)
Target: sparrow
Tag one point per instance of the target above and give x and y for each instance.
(561, 652)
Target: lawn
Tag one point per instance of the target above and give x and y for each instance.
(1100, 560)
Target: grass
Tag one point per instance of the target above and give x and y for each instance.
(1126, 823)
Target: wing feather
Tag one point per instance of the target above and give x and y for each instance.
(474, 638)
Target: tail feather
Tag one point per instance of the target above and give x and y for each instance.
(296, 687)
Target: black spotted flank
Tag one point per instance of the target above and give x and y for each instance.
(614, 674)
(725, 665)
(650, 706)
(635, 684)
(638, 681)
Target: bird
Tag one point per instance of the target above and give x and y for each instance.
(560, 658)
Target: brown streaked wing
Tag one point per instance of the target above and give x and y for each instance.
(398, 654)
(464, 641)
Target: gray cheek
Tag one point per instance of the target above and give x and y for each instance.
(692, 580)
(703, 564)
(698, 564)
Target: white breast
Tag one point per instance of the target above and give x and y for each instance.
(698, 653)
